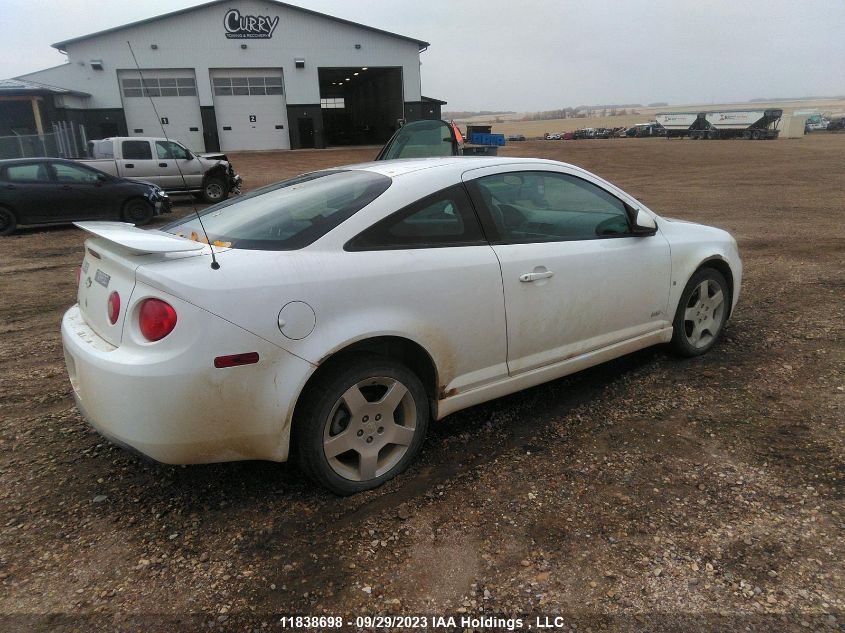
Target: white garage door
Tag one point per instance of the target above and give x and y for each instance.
(250, 107)
(174, 93)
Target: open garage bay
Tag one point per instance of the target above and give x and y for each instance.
(645, 492)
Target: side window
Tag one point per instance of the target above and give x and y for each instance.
(169, 149)
(72, 173)
(28, 172)
(445, 218)
(548, 207)
(137, 150)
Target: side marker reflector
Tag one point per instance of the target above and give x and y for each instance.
(249, 358)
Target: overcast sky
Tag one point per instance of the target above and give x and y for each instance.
(539, 54)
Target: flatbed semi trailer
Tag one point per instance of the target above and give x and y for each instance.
(747, 124)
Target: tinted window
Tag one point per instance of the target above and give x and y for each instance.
(546, 206)
(73, 173)
(30, 172)
(442, 219)
(169, 149)
(137, 150)
(287, 215)
(420, 139)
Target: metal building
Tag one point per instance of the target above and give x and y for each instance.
(238, 75)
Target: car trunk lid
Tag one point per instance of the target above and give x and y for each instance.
(111, 259)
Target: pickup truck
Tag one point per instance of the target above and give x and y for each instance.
(168, 164)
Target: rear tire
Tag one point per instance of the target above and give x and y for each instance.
(8, 221)
(756, 135)
(702, 313)
(137, 211)
(215, 190)
(360, 424)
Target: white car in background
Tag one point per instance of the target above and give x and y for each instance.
(354, 305)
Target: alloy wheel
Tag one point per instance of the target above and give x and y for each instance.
(704, 314)
(370, 428)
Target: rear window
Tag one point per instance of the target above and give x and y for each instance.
(288, 215)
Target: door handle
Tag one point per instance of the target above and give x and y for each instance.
(129, 165)
(10, 186)
(526, 277)
(162, 164)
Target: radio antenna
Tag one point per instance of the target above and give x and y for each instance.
(215, 265)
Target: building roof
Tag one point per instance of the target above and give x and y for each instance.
(24, 87)
(433, 100)
(61, 45)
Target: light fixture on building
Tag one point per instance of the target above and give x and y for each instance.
(358, 47)
(154, 47)
(96, 64)
(347, 79)
(243, 47)
(299, 62)
(355, 74)
(363, 68)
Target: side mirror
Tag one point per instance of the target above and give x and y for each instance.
(644, 224)
(189, 156)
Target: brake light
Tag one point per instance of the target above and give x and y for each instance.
(78, 275)
(157, 319)
(114, 307)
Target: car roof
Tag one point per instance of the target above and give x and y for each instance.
(459, 164)
(36, 159)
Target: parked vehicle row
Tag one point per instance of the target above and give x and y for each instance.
(40, 191)
(587, 132)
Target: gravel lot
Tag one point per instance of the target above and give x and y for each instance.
(648, 494)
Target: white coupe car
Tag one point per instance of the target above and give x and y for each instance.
(347, 308)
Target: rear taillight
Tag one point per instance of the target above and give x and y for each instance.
(114, 307)
(157, 319)
(78, 275)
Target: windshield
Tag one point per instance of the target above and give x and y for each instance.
(287, 215)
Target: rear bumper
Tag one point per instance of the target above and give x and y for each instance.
(172, 405)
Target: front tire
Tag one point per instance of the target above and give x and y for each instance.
(362, 423)
(702, 313)
(8, 221)
(215, 190)
(138, 212)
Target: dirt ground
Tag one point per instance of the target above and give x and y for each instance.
(651, 493)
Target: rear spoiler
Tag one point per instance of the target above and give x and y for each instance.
(138, 240)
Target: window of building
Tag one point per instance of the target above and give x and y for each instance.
(152, 86)
(243, 86)
(332, 103)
